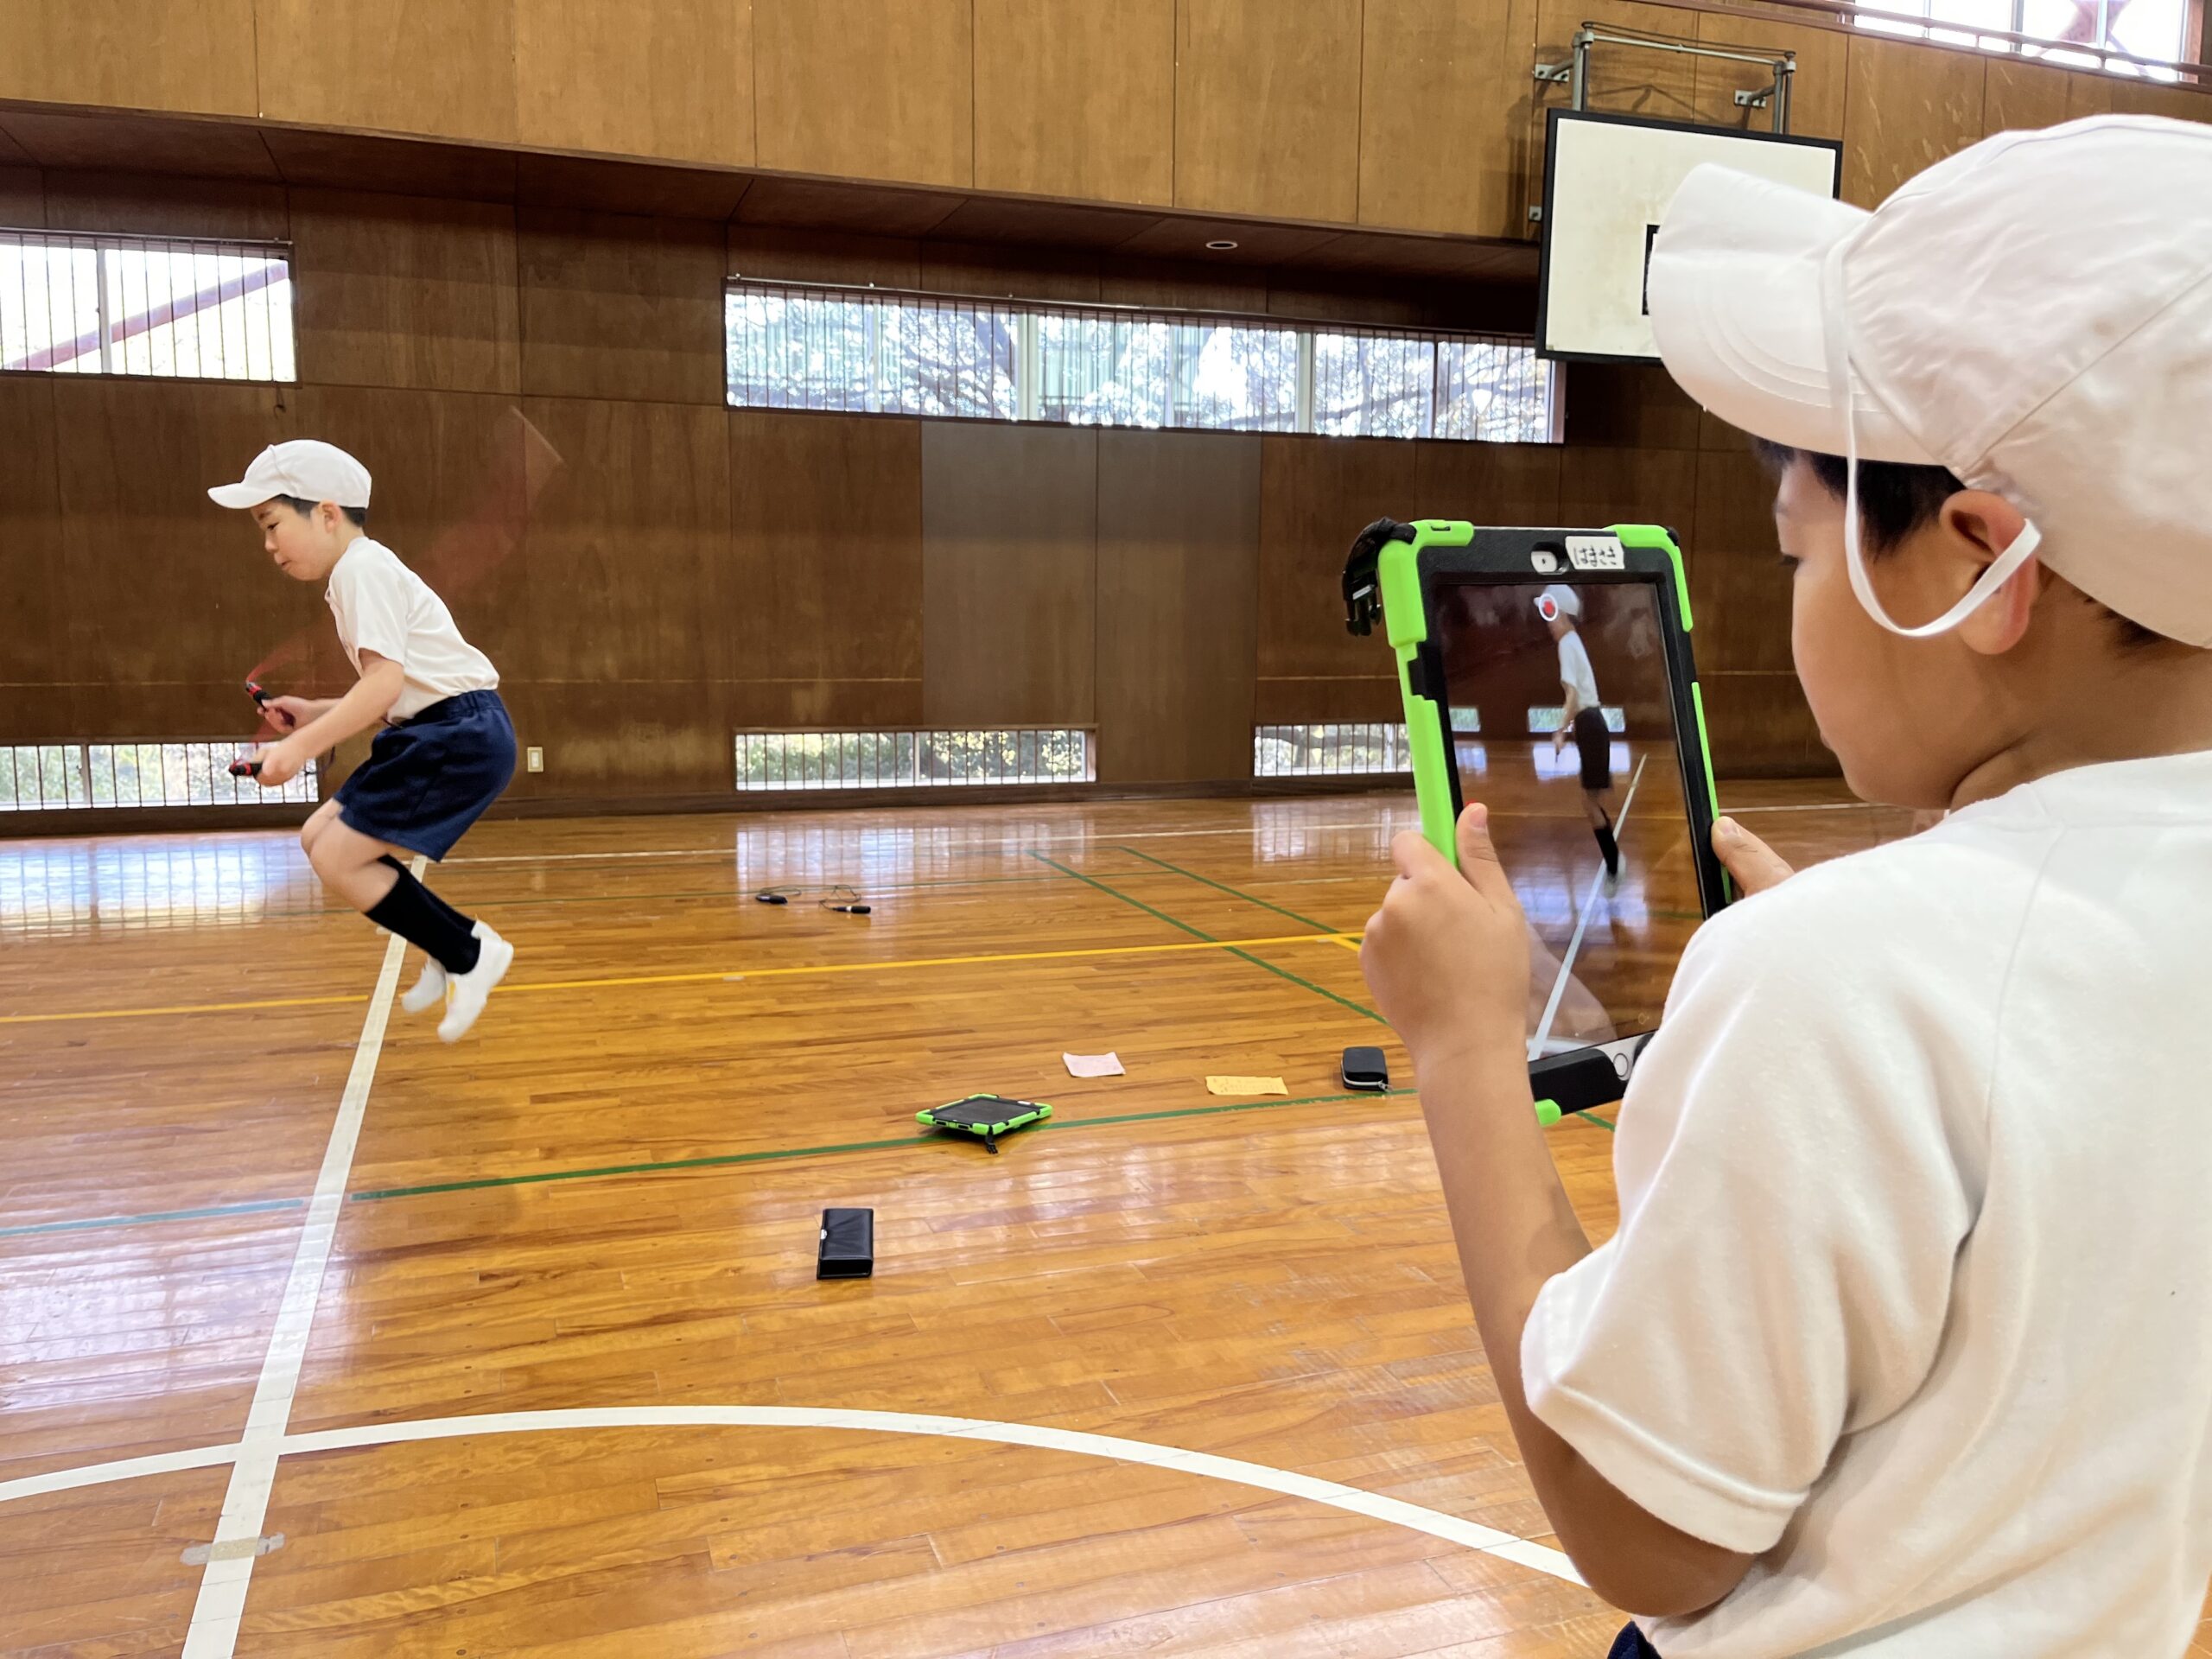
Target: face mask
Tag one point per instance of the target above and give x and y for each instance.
(1833, 332)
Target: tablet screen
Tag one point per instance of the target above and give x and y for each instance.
(1588, 812)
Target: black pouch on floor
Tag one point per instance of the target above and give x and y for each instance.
(848, 1245)
(987, 1116)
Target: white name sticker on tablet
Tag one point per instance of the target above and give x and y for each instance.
(1595, 553)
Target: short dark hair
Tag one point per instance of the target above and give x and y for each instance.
(357, 517)
(1897, 498)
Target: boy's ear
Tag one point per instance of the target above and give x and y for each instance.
(1977, 526)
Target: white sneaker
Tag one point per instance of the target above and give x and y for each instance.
(429, 990)
(466, 993)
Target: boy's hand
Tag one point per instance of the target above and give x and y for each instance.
(280, 764)
(1447, 955)
(1755, 865)
(1558, 737)
(289, 714)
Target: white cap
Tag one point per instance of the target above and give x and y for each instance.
(306, 469)
(2034, 314)
(1563, 598)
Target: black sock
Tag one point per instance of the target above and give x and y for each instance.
(410, 911)
(466, 923)
(1610, 847)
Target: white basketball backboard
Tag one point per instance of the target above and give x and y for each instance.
(1607, 179)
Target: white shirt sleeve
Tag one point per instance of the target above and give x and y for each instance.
(1575, 673)
(1794, 1168)
(375, 597)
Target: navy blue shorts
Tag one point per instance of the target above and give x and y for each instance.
(426, 779)
(1631, 1644)
(1594, 746)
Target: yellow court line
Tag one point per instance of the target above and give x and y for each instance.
(1349, 941)
(701, 977)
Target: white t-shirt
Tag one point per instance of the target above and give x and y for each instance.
(381, 605)
(1574, 671)
(1912, 1290)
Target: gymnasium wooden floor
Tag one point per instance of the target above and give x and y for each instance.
(588, 1231)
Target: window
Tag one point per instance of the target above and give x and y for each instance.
(879, 352)
(53, 776)
(905, 355)
(145, 305)
(788, 760)
(1543, 722)
(2142, 28)
(1330, 751)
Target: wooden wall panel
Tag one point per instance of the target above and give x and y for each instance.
(1009, 585)
(439, 459)
(1817, 90)
(1738, 590)
(1266, 108)
(131, 54)
(652, 737)
(614, 305)
(1444, 110)
(772, 254)
(1315, 496)
(1330, 700)
(135, 206)
(628, 556)
(2018, 95)
(1910, 106)
(2132, 97)
(1077, 99)
(35, 647)
(1628, 404)
(1179, 534)
(406, 291)
(23, 198)
(435, 67)
(166, 601)
(673, 80)
(1629, 487)
(826, 566)
(865, 89)
(1760, 727)
(990, 269)
(1486, 483)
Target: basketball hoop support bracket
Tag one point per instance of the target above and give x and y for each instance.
(1575, 73)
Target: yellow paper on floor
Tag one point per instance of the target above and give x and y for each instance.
(1245, 1086)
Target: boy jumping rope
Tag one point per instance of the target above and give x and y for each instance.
(1583, 717)
(447, 749)
(1901, 1348)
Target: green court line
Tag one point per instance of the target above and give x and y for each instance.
(259, 1207)
(1258, 962)
(725, 1159)
(1223, 886)
(267, 1206)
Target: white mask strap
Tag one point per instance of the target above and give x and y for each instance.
(1834, 326)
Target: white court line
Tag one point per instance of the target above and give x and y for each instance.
(956, 847)
(1815, 806)
(1351, 1499)
(1589, 906)
(213, 1633)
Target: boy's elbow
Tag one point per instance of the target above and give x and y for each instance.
(1635, 1560)
(1662, 1578)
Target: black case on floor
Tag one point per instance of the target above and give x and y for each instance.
(848, 1245)
(1366, 1068)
